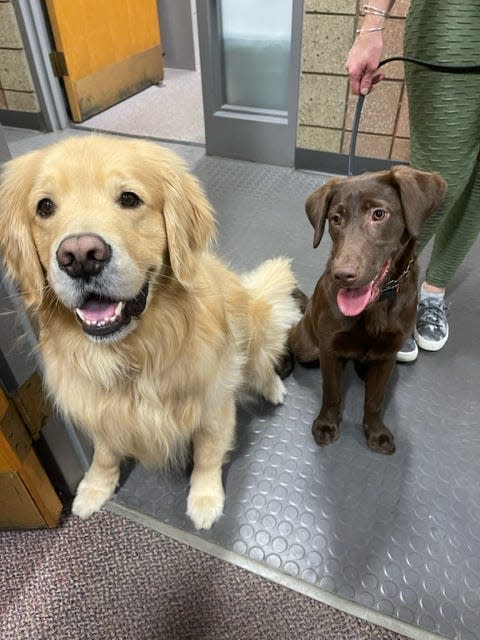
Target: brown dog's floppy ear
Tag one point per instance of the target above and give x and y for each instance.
(316, 207)
(421, 194)
(188, 220)
(16, 243)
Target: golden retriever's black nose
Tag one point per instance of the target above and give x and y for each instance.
(346, 274)
(83, 256)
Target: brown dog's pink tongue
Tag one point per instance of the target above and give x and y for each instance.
(351, 302)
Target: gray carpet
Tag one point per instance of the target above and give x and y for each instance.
(109, 579)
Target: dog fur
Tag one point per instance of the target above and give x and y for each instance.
(169, 374)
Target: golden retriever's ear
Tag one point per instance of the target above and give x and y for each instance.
(189, 222)
(316, 207)
(421, 194)
(16, 243)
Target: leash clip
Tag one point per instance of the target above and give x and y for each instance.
(392, 287)
(390, 291)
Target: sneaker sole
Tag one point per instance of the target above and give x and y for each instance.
(429, 345)
(409, 356)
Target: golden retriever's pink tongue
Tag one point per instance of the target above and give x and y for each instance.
(96, 310)
(351, 302)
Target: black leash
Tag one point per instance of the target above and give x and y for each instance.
(433, 66)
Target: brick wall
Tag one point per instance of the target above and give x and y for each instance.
(326, 106)
(17, 92)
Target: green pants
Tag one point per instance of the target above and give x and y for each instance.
(445, 124)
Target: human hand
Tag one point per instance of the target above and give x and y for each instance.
(363, 60)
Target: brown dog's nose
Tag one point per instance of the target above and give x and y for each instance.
(346, 274)
(83, 256)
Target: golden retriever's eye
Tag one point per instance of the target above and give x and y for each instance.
(129, 200)
(379, 214)
(45, 207)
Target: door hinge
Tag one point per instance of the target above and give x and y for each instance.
(59, 65)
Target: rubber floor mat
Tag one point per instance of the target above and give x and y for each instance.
(397, 534)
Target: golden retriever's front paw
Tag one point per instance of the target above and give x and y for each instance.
(276, 391)
(205, 509)
(90, 499)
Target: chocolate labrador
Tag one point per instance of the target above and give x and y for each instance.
(364, 305)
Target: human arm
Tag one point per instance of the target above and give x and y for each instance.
(366, 52)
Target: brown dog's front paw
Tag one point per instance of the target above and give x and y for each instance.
(380, 441)
(323, 433)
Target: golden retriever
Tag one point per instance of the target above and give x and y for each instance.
(146, 337)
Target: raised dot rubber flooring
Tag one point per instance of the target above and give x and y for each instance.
(397, 534)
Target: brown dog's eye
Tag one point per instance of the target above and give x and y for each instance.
(379, 214)
(336, 218)
(45, 207)
(129, 200)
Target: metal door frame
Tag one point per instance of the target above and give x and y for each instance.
(258, 135)
(37, 42)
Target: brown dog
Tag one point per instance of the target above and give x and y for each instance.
(364, 305)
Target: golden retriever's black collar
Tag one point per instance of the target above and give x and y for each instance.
(137, 305)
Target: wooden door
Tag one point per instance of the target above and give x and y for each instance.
(107, 50)
(27, 497)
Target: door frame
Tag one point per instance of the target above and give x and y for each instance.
(38, 45)
(258, 135)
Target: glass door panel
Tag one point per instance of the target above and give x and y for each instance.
(250, 57)
(256, 38)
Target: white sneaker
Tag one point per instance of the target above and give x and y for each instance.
(409, 351)
(431, 332)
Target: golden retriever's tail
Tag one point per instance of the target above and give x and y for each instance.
(273, 311)
(274, 282)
